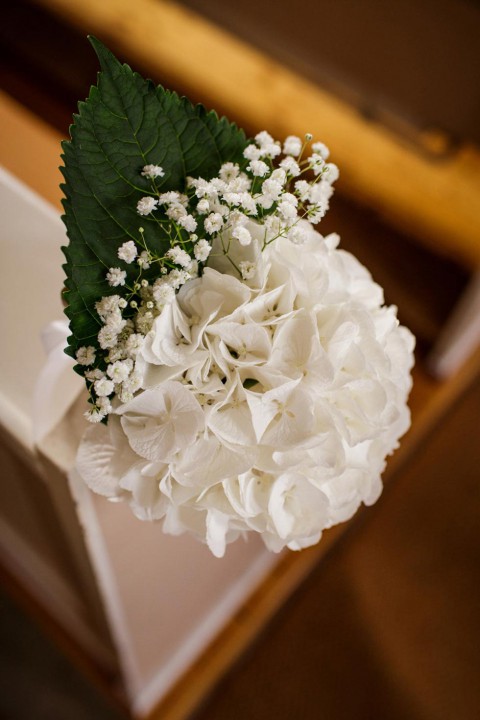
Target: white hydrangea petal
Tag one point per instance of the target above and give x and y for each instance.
(152, 374)
(217, 528)
(250, 342)
(182, 518)
(300, 543)
(262, 412)
(268, 405)
(208, 461)
(270, 307)
(248, 495)
(345, 493)
(222, 294)
(103, 458)
(293, 341)
(165, 343)
(296, 507)
(157, 442)
(294, 422)
(161, 421)
(233, 424)
(147, 501)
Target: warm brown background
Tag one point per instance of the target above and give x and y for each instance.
(387, 627)
(406, 61)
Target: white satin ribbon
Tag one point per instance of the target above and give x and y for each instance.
(57, 386)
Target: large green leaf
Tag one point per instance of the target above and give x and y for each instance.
(127, 123)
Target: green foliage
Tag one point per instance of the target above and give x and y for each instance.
(126, 123)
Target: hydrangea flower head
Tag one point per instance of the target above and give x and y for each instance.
(252, 378)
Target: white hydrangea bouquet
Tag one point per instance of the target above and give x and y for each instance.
(243, 372)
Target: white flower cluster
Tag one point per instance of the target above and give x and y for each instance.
(278, 187)
(269, 390)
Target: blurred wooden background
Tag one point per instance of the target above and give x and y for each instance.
(387, 626)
